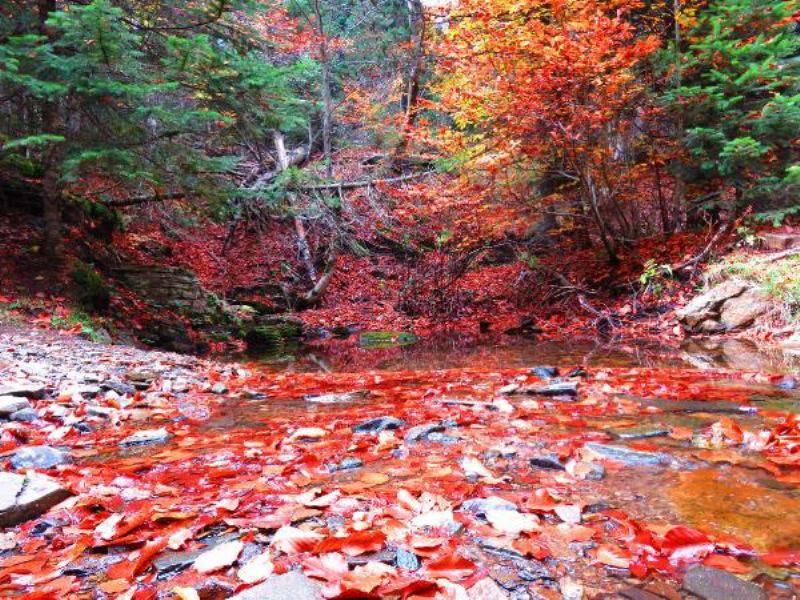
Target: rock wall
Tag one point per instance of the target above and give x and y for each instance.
(171, 290)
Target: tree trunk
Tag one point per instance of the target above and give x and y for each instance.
(327, 99)
(416, 22)
(53, 245)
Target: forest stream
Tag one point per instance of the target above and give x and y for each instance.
(533, 470)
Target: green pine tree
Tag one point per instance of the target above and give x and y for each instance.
(739, 101)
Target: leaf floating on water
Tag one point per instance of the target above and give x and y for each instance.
(291, 540)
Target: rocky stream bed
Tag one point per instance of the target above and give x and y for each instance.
(135, 474)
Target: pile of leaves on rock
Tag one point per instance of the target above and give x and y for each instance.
(462, 483)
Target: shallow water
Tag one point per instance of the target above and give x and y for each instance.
(471, 352)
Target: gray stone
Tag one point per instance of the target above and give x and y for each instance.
(28, 390)
(293, 585)
(421, 432)
(556, 388)
(547, 461)
(25, 415)
(788, 383)
(346, 464)
(714, 584)
(40, 457)
(23, 498)
(479, 506)
(119, 387)
(146, 436)
(379, 424)
(545, 372)
(639, 433)
(336, 398)
(12, 404)
(406, 560)
(740, 311)
(706, 306)
(627, 456)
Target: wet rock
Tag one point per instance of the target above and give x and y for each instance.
(406, 560)
(26, 415)
(486, 589)
(545, 372)
(479, 506)
(441, 438)
(635, 593)
(11, 404)
(218, 388)
(421, 432)
(27, 390)
(346, 464)
(627, 456)
(379, 424)
(714, 584)
(294, 585)
(557, 388)
(23, 498)
(119, 387)
(336, 398)
(169, 564)
(146, 436)
(547, 461)
(639, 433)
(40, 457)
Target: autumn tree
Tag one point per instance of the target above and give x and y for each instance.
(544, 91)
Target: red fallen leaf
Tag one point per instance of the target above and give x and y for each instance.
(727, 563)
(450, 566)
(782, 558)
(683, 543)
(638, 569)
(137, 561)
(353, 544)
(529, 547)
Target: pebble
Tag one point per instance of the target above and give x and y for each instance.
(41, 457)
(545, 372)
(547, 461)
(422, 432)
(406, 560)
(379, 424)
(24, 497)
(479, 506)
(25, 415)
(146, 436)
(347, 464)
(715, 584)
(28, 390)
(12, 404)
(627, 456)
